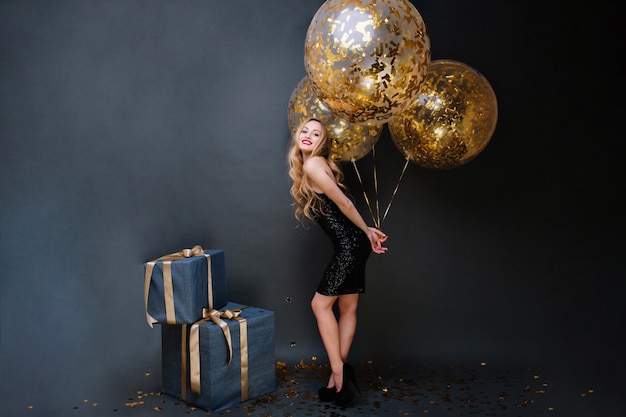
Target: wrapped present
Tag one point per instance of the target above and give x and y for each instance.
(222, 360)
(178, 286)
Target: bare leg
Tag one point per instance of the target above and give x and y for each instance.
(322, 306)
(347, 322)
(337, 336)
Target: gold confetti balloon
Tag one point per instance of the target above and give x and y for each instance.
(452, 119)
(349, 141)
(367, 59)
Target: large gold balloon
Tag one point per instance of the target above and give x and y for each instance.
(350, 141)
(367, 59)
(452, 119)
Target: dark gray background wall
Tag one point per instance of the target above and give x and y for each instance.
(131, 129)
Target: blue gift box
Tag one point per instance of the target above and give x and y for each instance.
(177, 288)
(223, 379)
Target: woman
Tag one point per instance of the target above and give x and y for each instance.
(320, 196)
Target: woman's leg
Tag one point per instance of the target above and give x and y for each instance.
(322, 306)
(347, 322)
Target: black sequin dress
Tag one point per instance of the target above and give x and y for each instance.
(345, 274)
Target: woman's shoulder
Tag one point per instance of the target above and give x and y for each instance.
(315, 162)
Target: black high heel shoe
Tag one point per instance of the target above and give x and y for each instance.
(345, 396)
(327, 395)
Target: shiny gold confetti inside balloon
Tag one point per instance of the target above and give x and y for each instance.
(350, 141)
(367, 59)
(452, 119)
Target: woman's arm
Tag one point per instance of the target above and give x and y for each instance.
(322, 180)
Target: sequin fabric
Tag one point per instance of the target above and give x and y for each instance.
(345, 273)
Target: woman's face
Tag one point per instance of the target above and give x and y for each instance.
(310, 136)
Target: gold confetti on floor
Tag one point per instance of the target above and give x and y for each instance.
(386, 390)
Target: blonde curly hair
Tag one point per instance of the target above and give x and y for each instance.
(307, 203)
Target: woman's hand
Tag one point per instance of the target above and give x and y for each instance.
(377, 238)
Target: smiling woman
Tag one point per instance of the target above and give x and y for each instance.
(310, 130)
(320, 196)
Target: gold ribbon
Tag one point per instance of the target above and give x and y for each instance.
(168, 286)
(184, 342)
(243, 348)
(194, 347)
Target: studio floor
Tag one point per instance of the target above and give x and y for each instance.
(479, 389)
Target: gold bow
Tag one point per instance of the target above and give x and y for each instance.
(168, 287)
(216, 317)
(185, 253)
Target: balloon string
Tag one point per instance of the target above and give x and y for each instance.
(396, 189)
(369, 206)
(378, 222)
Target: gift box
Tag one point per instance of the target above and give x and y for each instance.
(179, 285)
(201, 368)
